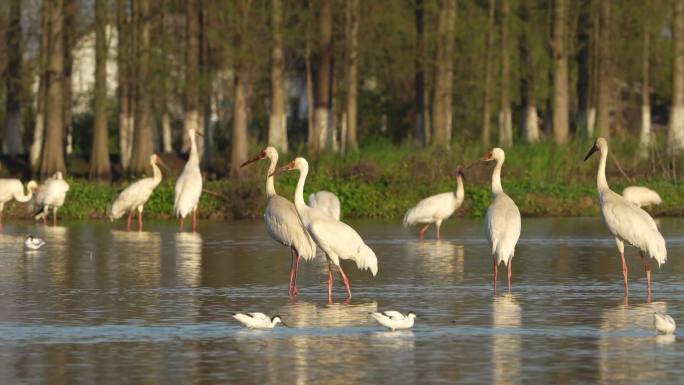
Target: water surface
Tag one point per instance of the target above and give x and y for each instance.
(102, 305)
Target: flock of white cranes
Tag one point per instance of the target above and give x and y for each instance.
(304, 228)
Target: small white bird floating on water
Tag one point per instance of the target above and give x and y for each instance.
(663, 323)
(13, 189)
(337, 239)
(627, 222)
(327, 202)
(502, 222)
(282, 221)
(258, 320)
(51, 194)
(136, 195)
(394, 320)
(641, 196)
(33, 243)
(436, 208)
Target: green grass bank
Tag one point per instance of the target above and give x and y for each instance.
(384, 180)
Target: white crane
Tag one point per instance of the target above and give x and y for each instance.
(436, 208)
(627, 222)
(51, 194)
(189, 185)
(327, 202)
(282, 221)
(663, 323)
(641, 196)
(33, 243)
(502, 222)
(337, 239)
(136, 195)
(13, 189)
(394, 320)
(258, 320)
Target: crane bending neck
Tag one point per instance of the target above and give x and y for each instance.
(299, 191)
(601, 181)
(24, 198)
(270, 184)
(496, 177)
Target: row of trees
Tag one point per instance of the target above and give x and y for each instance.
(243, 70)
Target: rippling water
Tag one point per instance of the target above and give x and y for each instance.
(98, 305)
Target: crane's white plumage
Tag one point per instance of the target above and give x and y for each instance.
(436, 208)
(663, 323)
(282, 221)
(189, 185)
(33, 243)
(627, 222)
(13, 189)
(51, 195)
(257, 320)
(326, 202)
(502, 221)
(337, 239)
(136, 195)
(641, 196)
(394, 320)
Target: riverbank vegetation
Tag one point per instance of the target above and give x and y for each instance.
(384, 180)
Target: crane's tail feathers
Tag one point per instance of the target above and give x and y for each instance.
(366, 259)
(657, 249)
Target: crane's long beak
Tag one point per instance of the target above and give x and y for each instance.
(251, 160)
(281, 170)
(593, 149)
(161, 163)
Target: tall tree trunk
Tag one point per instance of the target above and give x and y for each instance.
(277, 124)
(311, 136)
(323, 99)
(100, 168)
(505, 115)
(124, 74)
(39, 127)
(529, 76)
(449, 86)
(52, 158)
(352, 73)
(561, 92)
(69, 42)
(605, 81)
(675, 134)
(595, 67)
(441, 102)
(487, 94)
(419, 11)
(645, 134)
(192, 58)
(582, 59)
(239, 141)
(14, 126)
(142, 135)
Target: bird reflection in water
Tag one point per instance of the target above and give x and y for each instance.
(622, 339)
(442, 259)
(189, 258)
(506, 320)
